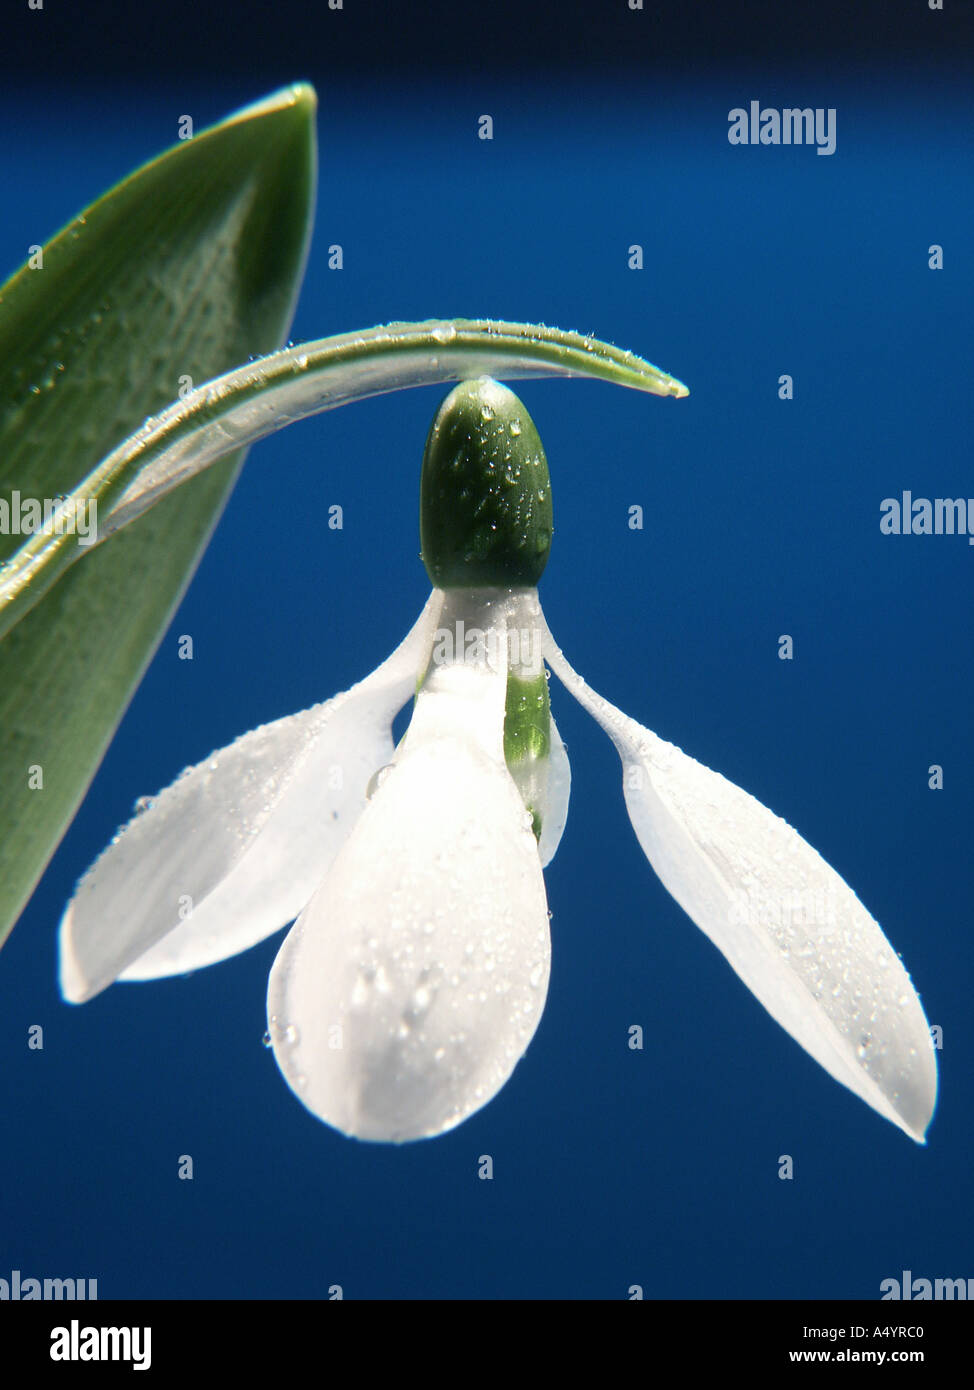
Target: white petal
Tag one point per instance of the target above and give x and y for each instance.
(414, 980)
(242, 839)
(792, 929)
(546, 786)
(557, 793)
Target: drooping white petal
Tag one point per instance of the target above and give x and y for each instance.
(238, 844)
(545, 785)
(792, 929)
(413, 981)
(557, 795)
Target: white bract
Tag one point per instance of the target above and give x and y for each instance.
(416, 972)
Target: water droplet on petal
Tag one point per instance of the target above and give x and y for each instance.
(377, 779)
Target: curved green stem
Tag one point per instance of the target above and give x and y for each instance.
(254, 400)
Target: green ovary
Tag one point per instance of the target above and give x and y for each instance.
(485, 496)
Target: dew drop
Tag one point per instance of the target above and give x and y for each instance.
(377, 779)
(266, 1039)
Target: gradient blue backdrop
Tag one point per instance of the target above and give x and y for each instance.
(612, 1167)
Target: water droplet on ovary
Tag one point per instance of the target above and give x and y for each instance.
(487, 411)
(515, 427)
(266, 1039)
(444, 332)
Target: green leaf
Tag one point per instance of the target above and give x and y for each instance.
(260, 397)
(185, 268)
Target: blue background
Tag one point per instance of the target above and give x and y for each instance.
(612, 1167)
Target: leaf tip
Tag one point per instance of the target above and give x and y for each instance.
(301, 95)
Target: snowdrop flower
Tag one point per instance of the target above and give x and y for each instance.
(415, 975)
